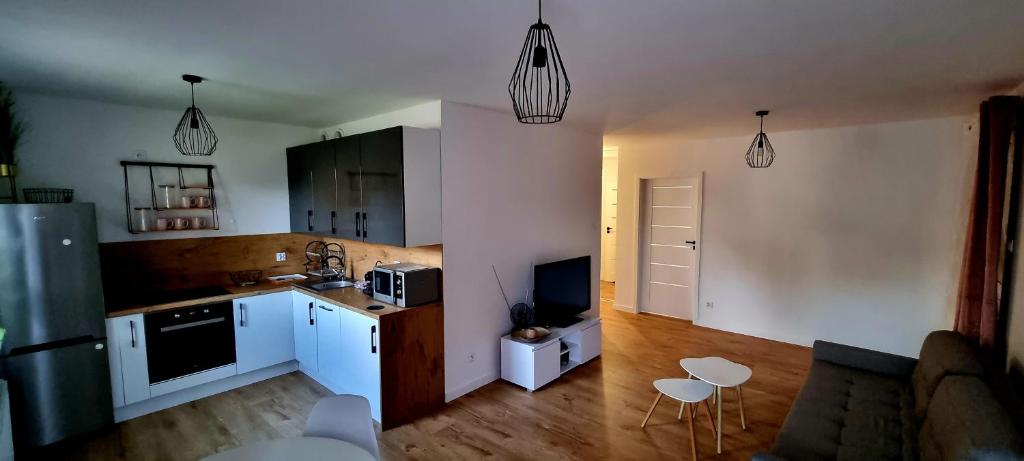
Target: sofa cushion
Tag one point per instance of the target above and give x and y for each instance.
(965, 422)
(849, 414)
(943, 353)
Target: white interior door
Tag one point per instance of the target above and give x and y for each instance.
(609, 209)
(669, 260)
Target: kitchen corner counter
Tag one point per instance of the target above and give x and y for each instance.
(349, 298)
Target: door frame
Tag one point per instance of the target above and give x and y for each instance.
(638, 203)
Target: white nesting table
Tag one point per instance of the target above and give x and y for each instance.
(720, 373)
(294, 449)
(687, 391)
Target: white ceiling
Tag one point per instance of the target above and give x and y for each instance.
(696, 66)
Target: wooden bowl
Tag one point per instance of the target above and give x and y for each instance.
(531, 334)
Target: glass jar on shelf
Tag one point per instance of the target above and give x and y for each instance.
(166, 196)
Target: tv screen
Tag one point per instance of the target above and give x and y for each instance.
(561, 290)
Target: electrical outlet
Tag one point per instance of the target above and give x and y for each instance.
(281, 256)
(709, 304)
(472, 358)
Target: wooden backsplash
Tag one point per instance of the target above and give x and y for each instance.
(190, 263)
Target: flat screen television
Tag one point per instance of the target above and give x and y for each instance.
(561, 291)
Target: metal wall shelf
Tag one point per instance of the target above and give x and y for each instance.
(181, 167)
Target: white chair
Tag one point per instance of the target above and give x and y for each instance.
(690, 392)
(344, 417)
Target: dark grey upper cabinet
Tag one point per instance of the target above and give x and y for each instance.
(325, 194)
(379, 187)
(349, 202)
(383, 191)
(300, 187)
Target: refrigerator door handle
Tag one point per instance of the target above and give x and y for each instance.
(131, 326)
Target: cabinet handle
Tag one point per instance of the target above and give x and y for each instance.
(131, 326)
(309, 220)
(373, 339)
(241, 315)
(326, 309)
(366, 231)
(334, 227)
(358, 232)
(311, 312)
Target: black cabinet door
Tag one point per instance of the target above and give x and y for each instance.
(383, 190)
(349, 203)
(300, 187)
(324, 189)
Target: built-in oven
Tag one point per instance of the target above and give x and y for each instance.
(189, 340)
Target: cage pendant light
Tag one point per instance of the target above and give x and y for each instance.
(539, 87)
(760, 154)
(194, 135)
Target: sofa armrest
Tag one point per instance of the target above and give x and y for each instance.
(864, 359)
(766, 457)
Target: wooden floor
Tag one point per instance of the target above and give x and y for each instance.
(594, 412)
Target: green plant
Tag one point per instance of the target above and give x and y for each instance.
(11, 129)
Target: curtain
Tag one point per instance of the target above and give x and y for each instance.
(978, 313)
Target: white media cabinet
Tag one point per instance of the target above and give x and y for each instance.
(533, 365)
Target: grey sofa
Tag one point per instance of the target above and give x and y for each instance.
(858, 404)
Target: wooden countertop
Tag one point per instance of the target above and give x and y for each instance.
(349, 298)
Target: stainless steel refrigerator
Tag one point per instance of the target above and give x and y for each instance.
(54, 356)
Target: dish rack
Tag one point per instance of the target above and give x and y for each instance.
(326, 260)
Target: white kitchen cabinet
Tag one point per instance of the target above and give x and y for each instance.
(329, 345)
(304, 328)
(129, 367)
(263, 331)
(360, 352)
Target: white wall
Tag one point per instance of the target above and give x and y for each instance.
(853, 235)
(78, 143)
(512, 195)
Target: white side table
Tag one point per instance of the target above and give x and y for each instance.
(720, 373)
(687, 391)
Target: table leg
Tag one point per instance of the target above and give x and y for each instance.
(681, 407)
(718, 422)
(655, 404)
(693, 435)
(743, 419)
(711, 420)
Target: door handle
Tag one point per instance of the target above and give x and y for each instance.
(326, 309)
(373, 339)
(241, 315)
(334, 218)
(131, 326)
(607, 229)
(311, 312)
(366, 232)
(692, 242)
(358, 232)
(309, 220)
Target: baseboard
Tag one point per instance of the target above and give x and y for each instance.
(176, 398)
(470, 386)
(799, 341)
(624, 308)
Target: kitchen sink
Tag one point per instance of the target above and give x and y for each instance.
(332, 285)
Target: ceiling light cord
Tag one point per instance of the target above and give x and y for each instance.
(540, 19)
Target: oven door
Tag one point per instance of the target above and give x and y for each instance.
(189, 340)
(383, 281)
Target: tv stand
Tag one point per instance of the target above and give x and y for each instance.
(533, 365)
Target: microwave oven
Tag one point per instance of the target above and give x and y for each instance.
(406, 285)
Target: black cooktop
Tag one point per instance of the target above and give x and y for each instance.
(164, 297)
(153, 297)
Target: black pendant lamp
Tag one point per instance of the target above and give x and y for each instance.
(194, 135)
(539, 87)
(760, 153)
